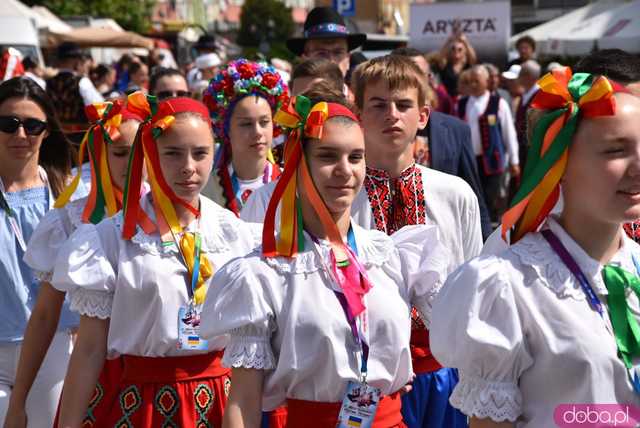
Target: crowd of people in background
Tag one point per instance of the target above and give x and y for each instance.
(240, 243)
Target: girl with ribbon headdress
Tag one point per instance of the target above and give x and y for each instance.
(139, 279)
(554, 318)
(320, 314)
(107, 143)
(242, 99)
(35, 163)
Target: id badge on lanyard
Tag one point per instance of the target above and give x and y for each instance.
(189, 316)
(360, 400)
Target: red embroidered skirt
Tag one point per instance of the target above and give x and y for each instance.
(105, 395)
(171, 392)
(313, 414)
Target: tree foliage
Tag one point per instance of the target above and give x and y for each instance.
(264, 21)
(133, 15)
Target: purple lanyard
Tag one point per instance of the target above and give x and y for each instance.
(351, 241)
(572, 265)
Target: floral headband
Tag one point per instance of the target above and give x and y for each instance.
(565, 97)
(239, 79)
(105, 119)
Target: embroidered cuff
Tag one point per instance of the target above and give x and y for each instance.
(92, 303)
(499, 401)
(250, 352)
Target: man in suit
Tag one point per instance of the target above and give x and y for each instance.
(448, 146)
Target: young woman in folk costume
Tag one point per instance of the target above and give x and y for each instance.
(139, 285)
(242, 99)
(554, 318)
(108, 143)
(35, 165)
(320, 315)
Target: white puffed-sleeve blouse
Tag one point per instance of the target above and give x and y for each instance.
(52, 232)
(284, 317)
(522, 333)
(140, 284)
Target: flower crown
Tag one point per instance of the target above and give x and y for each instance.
(239, 79)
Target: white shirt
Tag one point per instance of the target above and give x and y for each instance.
(52, 232)
(215, 191)
(284, 317)
(476, 107)
(139, 284)
(523, 335)
(450, 204)
(88, 92)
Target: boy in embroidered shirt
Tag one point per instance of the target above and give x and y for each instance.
(493, 136)
(390, 97)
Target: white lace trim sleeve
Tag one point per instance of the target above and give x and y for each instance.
(92, 303)
(499, 401)
(249, 350)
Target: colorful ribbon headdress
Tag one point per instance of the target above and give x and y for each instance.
(159, 119)
(104, 197)
(305, 121)
(565, 97)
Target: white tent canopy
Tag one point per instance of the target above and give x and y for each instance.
(39, 15)
(616, 28)
(565, 36)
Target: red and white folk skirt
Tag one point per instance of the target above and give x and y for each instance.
(188, 391)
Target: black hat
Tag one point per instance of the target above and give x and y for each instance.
(67, 50)
(206, 42)
(324, 23)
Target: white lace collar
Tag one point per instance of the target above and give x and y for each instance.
(534, 251)
(374, 249)
(217, 226)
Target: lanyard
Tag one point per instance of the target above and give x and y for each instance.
(358, 335)
(191, 289)
(235, 183)
(572, 265)
(594, 301)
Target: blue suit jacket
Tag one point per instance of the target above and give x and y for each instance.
(450, 151)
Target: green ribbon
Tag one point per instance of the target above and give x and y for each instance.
(625, 326)
(537, 165)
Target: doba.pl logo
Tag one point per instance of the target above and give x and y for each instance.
(596, 415)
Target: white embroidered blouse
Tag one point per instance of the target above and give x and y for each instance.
(141, 284)
(284, 317)
(524, 336)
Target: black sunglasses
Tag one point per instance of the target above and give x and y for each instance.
(10, 125)
(163, 95)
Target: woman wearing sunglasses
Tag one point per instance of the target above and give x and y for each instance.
(35, 164)
(242, 99)
(107, 142)
(319, 316)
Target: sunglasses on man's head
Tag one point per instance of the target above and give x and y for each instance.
(163, 95)
(32, 126)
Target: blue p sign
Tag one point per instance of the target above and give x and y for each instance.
(345, 7)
